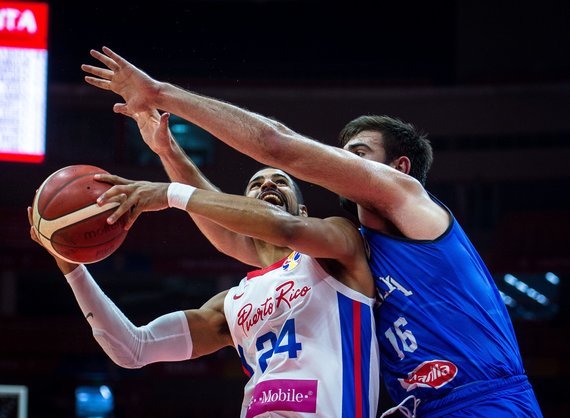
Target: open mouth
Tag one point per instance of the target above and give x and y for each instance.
(273, 197)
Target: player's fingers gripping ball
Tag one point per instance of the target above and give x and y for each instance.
(68, 220)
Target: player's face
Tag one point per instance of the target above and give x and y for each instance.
(368, 145)
(274, 186)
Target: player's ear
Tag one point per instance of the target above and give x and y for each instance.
(303, 210)
(402, 164)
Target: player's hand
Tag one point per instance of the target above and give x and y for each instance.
(153, 127)
(134, 197)
(121, 77)
(64, 266)
(33, 230)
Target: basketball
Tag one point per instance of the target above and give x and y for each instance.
(69, 222)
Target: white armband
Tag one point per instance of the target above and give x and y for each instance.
(167, 338)
(179, 194)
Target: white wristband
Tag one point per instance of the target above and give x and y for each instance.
(179, 194)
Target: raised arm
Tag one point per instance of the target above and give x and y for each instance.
(332, 238)
(175, 336)
(379, 187)
(155, 132)
(172, 337)
(180, 168)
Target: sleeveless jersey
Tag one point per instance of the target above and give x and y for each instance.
(442, 323)
(306, 341)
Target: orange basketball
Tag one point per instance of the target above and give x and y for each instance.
(69, 222)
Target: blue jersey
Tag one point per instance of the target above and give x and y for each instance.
(442, 323)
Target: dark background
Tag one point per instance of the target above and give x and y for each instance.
(489, 82)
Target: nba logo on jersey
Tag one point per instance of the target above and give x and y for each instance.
(292, 261)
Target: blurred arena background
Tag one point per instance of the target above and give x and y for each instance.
(490, 83)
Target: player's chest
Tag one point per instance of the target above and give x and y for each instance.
(266, 301)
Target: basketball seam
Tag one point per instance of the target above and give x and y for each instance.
(84, 219)
(55, 192)
(53, 225)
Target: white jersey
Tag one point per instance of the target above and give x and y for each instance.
(306, 341)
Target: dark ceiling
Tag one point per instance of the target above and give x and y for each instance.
(441, 43)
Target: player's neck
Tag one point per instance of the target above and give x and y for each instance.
(269, 254)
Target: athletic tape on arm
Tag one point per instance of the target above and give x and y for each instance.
(166, 338)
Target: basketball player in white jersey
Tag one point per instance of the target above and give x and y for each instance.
(302, 325)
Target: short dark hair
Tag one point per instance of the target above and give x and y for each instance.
(400, 139)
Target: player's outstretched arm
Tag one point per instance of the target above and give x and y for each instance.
(136, 197)
(373, 185)
(171, 337)
(167, 338)
(333, 239)
(243, 215)
(180, 168)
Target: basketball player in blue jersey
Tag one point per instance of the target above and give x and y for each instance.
(447, 343)
(303, 324)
